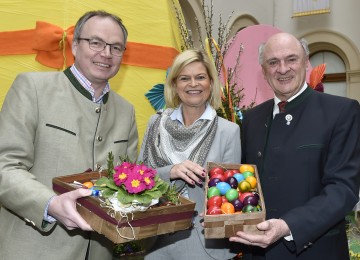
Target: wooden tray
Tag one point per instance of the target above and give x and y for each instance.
(138, 225)
(226, 225)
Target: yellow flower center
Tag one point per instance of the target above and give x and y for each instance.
(135, 183)
(122, 176)
(147, 180)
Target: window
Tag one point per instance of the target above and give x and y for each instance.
(335, 74)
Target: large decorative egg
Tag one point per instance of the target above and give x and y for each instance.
(233, 182)
(239, 177)
(256, 194)
(247, 174)
(232, 194)
(213, 182)
(238, 205)
(244, 186)
(244, 195)
(249, 208)
(223, 187)
(213, 191)
(251, 200)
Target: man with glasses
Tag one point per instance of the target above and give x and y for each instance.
(60, 123)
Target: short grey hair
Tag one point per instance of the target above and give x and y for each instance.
(83, 19)
(302, 42)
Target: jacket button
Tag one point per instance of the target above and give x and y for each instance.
(259, 155)
(98, 109)
(99, 138)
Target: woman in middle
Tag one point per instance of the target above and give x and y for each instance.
(178, 143)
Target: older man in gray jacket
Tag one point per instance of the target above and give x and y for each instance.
(59, 123)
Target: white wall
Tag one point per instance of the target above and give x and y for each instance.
(337, 31)
(344, 17)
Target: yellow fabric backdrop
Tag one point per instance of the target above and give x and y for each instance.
(149, 22)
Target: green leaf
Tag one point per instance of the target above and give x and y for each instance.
(110, 165)
(143, 198)
(111, 184)
(106, 193)
(102, 181)
(122, 193)
(124, 197)
(154, 194)
(163, 187)
(106, 182)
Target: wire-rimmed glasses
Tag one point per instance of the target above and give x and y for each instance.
(99, 45)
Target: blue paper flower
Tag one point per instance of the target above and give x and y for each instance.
(239, 113)
(156, 97)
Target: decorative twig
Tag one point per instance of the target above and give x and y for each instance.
(232, 94)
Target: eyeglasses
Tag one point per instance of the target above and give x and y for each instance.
(99, 45)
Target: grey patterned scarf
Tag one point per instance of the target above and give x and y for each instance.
(169, 143)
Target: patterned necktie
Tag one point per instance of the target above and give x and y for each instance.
(281, 106)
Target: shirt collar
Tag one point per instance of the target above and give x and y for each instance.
(177, 115)
(277, 100)
(87, 84)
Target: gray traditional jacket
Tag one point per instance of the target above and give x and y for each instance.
(50, 127)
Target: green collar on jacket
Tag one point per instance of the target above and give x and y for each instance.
(299, 99)
(80, 88)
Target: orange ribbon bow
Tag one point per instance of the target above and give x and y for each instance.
(53, 45)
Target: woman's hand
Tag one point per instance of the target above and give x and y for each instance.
(188, 171)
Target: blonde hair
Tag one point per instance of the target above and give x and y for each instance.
(180, 62)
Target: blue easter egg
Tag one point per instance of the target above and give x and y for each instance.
(223, 187)
(239, 177)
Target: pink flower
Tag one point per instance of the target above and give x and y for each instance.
(149, 181)
(144, 170)
(121, 172)
(120, 175)
(134, 183)
(135, 177)
(128, 165)
(140, 169)
(151, 172)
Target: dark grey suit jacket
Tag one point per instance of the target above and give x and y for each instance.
(309, 169)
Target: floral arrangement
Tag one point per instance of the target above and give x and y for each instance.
(131, 183)
(130, 187)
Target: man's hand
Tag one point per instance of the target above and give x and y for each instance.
(63, 208)
(274, 230)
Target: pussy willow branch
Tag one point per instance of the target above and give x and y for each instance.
(224, 44)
